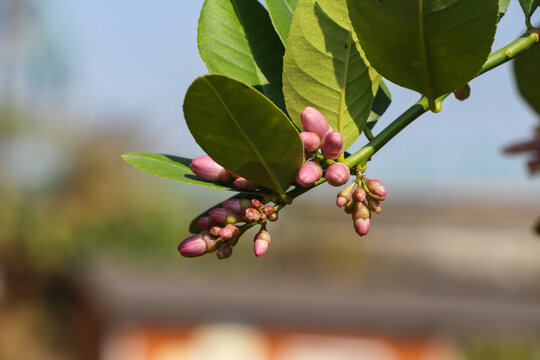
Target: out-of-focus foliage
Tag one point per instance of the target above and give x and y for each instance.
(527, 71)
(89, 204)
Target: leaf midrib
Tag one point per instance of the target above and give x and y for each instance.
(244, 135)
(423, 47)
(344, 82)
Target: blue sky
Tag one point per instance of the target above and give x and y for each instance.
(137, 58)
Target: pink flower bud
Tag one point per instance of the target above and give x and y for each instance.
(332, 145)
(224, 251)
(214, 230)
(244, 184)
(256, 204)
(252, 215)
(362, 226)
(375, 187)
(193, 246)
(314, 121)
(374, 205)
(239, 206)
(208, 169)
(359, 194)
(223, 216)
(261, 242)
(269, 210)
(337, 174)
(309, 173)
(360, 211)
(273, 217)
(205, 223)
(345, 195)
(229, 232)
(311, 141)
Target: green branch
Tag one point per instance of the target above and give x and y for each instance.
(362, 156)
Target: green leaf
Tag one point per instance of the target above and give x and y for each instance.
(281, 13)
(503, 6)
(236, 38)
(383, 98)
(527, 72)
(430, 46)
(529, 6)
(194, 229)
(243, 131)
(323, 68)
(173, 168)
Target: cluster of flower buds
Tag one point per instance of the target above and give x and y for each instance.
(319, 134)
(206, 168)
(360, 199)
(224, 225)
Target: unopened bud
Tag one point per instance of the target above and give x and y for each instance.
(256, 204)
(360, 211)
(224, 216)
(205, 222)
(244, 184)
(229, 232)
(311, 140)
(463, 92)
(261, 242)
(376, 188)
(332, 145)
(361, 226)
(269, 210)
(193, 246)
(345, 195)
(214, 230)
(314, 121)
(263, 218)
(252, 215)
(208, 169)
(359, 194)
(374, 205)
(239, 206)
(309, 173)
(337, 174)
(224, 251)
(273, 217)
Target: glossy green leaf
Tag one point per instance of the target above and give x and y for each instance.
(173, 168)
(243, 131)
(527, 71)
(529, 6)
(236, 38)
(503, 6)
(383, 98)
(281, 13)
(430, 46)
(323, 68)
(194, 229)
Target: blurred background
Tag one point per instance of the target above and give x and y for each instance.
(88, 260)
